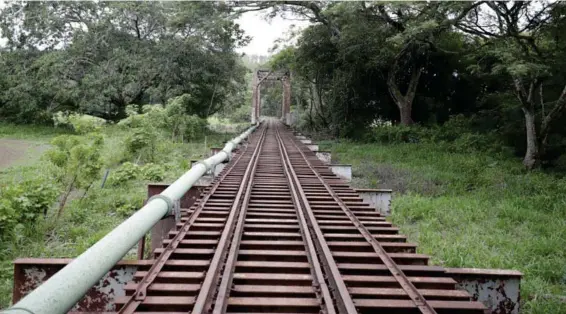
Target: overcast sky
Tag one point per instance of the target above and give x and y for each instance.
(264, 33)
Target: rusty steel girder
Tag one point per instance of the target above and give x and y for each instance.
(261, 76)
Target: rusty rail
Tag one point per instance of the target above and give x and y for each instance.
(345, 302)
(204, 299)
(140, 294)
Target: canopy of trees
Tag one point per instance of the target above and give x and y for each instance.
(99, 57)
(498, 63)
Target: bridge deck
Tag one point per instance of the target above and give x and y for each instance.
(278, 232)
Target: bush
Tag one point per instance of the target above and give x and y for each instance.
(153, 115)
(142, 143)
(126, 209)
(241, 115)
(23, 204)
(153, 172)
(400, 134)
(78, 162)
(187, 127)
(125, 173)
(81, 123)
(471, 142)
(456, 135)
(194, 127)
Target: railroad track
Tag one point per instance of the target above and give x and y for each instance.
(278, 232)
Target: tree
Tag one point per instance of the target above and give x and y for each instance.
(78, 161)
(523, 41)
(416, 28)
(98, 58)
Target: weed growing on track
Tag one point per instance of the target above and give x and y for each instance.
(473, 210)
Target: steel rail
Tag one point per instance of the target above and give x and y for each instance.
(345, 303)
(203, 302)
(64, 289)
(397, 273)
(223, 290)
(318, 276)
(140, 294)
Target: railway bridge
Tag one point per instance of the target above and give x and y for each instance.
(274, 230)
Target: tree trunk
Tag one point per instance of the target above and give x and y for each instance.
(404, 102)
(405, 110)
(65, 196)
(526, 97)
(531, 159)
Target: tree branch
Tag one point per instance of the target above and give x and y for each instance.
(555, 113)
(399, 26)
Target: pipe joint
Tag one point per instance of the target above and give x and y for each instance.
(168, 200)
(228, 155)
(205, 164)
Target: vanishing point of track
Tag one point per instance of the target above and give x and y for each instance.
(278, 232)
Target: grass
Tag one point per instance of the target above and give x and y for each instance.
(30, 132)
(85, 220)
(473, 210)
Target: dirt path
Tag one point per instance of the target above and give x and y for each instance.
(14, 152)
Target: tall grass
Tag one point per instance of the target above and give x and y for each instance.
(473, 210)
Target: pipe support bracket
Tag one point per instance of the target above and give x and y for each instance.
(168, 200)
(228, 155)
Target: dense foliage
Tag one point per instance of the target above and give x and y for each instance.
(500, 64)
(97, 58)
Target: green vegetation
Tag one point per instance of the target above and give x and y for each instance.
(452, 92)
(471, 209)
(32, 195)
(360, 62)
(97, 58)
(30, 132)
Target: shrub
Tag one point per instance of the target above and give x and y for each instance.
(470, 142)
(400, 134)
(125, 205)
(126, 209)
(24, 203)
(181, 125)
(81, 123)
(133, 121)
(241, 115)
(153, 115)
(153, 172)
(456, 135)
(108, 200)
(78, 162)
(194, 127)
(142, 143)
(125, 173)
